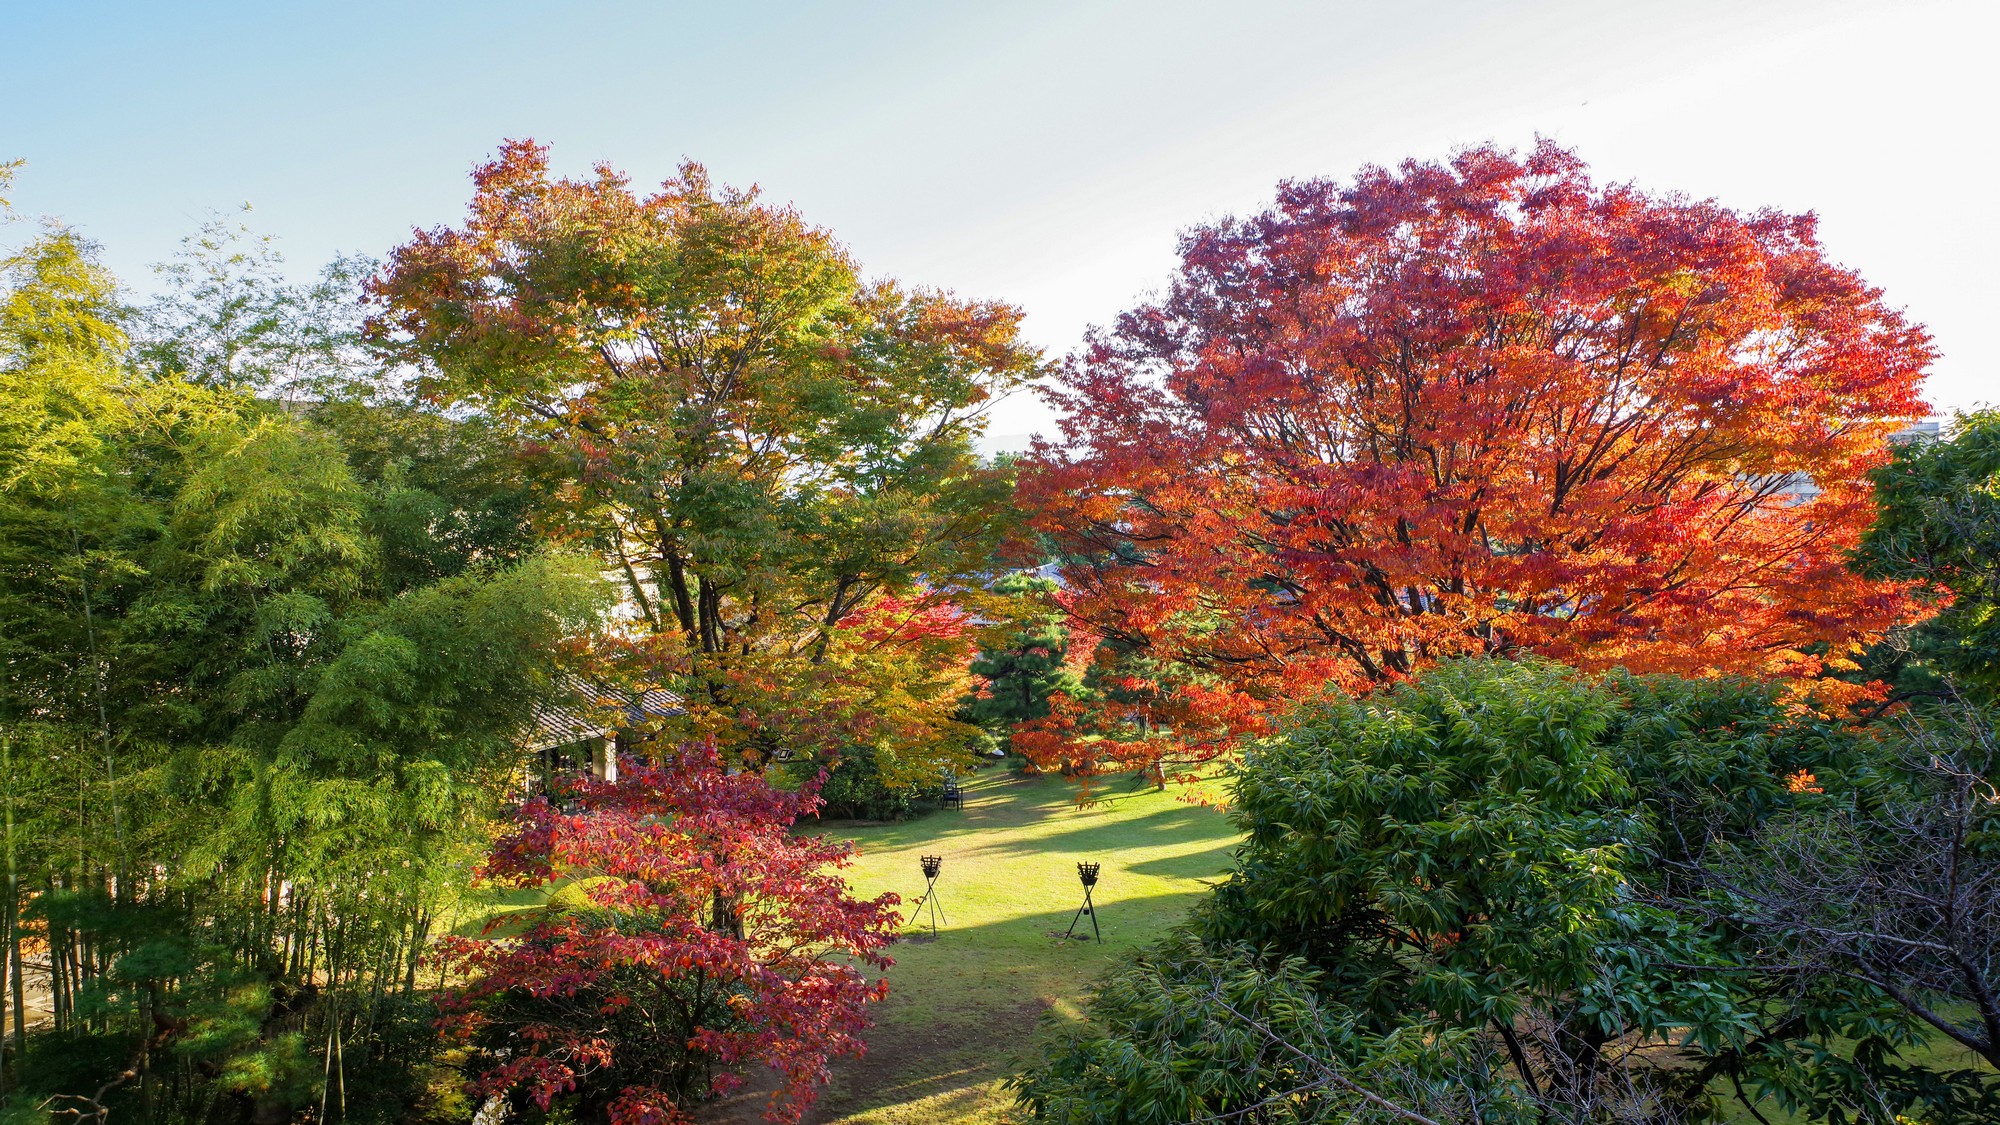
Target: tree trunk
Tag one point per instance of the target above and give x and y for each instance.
(14, 910)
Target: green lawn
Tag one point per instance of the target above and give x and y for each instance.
(963, 1008)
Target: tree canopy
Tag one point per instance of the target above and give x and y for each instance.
(1481, 406)
(777, 453)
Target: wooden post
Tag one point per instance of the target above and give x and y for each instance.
(604, 759)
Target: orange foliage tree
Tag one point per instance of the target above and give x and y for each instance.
(777, 455)
(1483, 406)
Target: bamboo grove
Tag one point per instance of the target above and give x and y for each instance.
(261, 680)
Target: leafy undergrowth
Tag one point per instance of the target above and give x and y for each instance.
(963, 1007)
(1936, 1051)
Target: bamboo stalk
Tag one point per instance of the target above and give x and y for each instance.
(14, 907)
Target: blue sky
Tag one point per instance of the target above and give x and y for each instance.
(1044, 153)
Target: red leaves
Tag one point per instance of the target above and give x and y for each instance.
(701, 902)
(896, 620)
(1479, 407)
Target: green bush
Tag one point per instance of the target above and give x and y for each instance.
(1491, 870)
(855, 790)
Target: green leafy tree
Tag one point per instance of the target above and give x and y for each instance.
(1188, 1033)
(447, 494)
(1939, 527)
(1897, 887)
(1026, 663)
(229, 316)
(252, 746)
(778, 455)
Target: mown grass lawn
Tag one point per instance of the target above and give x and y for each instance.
(963, 1007)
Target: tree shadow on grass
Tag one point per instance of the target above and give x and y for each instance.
(942, 1040)
(971, 975)
(1178, 823)
(994, 802)
(1209, 863)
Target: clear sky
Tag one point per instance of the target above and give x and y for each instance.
(1045, 153)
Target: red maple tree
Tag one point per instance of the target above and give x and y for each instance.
(1480, 406)
(700, 935)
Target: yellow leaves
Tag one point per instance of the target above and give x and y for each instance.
(62, 387)
(58, 300)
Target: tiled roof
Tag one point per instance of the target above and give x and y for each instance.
(592, 710)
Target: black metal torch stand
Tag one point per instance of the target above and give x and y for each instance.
(932, 865)
(1086, 873)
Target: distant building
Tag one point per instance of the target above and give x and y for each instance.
(1801, 488)
(1919, 431)
(588, 730)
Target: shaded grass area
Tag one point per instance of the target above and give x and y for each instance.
(964, 1006)
(1935, 1051)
